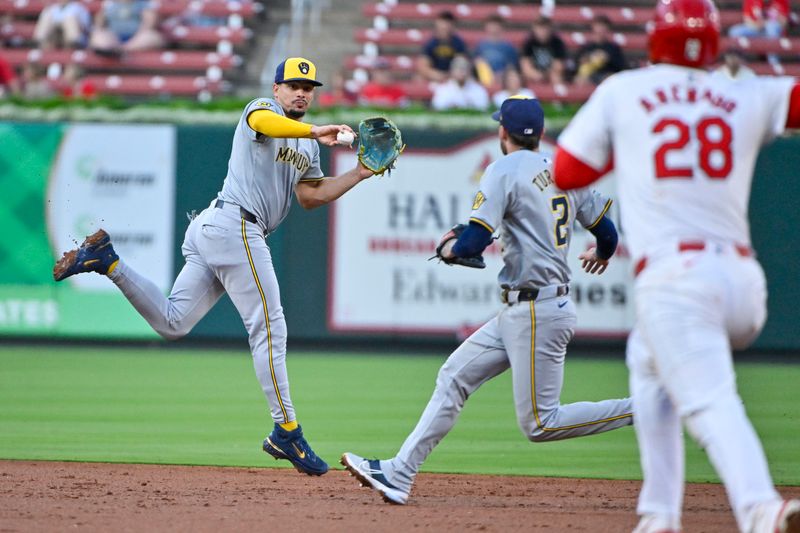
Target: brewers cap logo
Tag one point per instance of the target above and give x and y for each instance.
(296, 69)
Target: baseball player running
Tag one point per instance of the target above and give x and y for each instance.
(273, 155)
(683, 145)
(530, 334)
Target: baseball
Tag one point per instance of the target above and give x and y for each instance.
(345, 137)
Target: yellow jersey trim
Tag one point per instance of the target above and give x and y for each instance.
(602, 214)
(482, 223)
(266, 317)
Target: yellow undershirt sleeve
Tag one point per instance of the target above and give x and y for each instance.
(277, 126)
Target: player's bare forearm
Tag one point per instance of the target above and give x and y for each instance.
(313, 194)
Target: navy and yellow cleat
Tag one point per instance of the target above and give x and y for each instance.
(95, 254)
(368, 472)
(291, 445)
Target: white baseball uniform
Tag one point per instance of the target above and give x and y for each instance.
(535, 219)
(684, 145)
(226, 251)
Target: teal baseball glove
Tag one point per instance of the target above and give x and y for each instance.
(379, 144)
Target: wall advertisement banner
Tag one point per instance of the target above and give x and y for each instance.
(384, 231)
(71, 181)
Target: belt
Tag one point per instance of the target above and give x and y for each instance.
(526, 295)
(247, 215)
(693, 246)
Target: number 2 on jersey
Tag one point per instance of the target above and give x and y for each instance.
(714, 136)
(560, 207)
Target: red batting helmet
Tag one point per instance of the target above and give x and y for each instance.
(684, 32)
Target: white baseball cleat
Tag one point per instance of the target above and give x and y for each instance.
(369, 473)
(653, 523)
(776, 517)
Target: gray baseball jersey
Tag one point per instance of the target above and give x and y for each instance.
(263, 172)
(226, 253)
(518, 196)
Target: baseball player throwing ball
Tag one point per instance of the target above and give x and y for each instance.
(273, 155)
(530, 334)
(683, 145)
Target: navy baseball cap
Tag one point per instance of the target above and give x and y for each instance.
(521, 115)
(297, 69)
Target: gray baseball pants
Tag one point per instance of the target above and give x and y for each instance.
(531, 338)
(224, 253)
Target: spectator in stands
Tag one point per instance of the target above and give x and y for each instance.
(759, 22)
(601, 56)
(63, 24)
(544, 54)
(512, 85)
(193, 15)
(35, 84)
(9, 84)
(126, 26)
(382, 90)
(494, 54)
(439, 51)
(338, 93)
(460, 91)
(734, 67)
(74, 85)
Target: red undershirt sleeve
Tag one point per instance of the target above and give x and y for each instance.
(572, 173)
(793, 117)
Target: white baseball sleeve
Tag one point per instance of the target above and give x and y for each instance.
(588, 135)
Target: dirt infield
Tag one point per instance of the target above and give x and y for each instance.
(52, 496)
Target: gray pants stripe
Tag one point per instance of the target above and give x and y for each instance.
(266, 318)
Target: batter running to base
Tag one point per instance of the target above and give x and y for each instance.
(272, 157)
(531, 332)
(683, 145)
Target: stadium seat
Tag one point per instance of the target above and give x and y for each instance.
(398, 63)
(399, 29)
(413, 39)
(523, 14)
(165, 60)
(195, 35)
(135, 85)
(404, 64)
(214, 8)
(197, 57)
(423, 91)
(209, 36)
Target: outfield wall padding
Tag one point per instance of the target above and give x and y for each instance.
(300, 247)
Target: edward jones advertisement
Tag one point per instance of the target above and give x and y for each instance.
(384, 231)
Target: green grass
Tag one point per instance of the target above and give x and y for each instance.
(205, 407)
